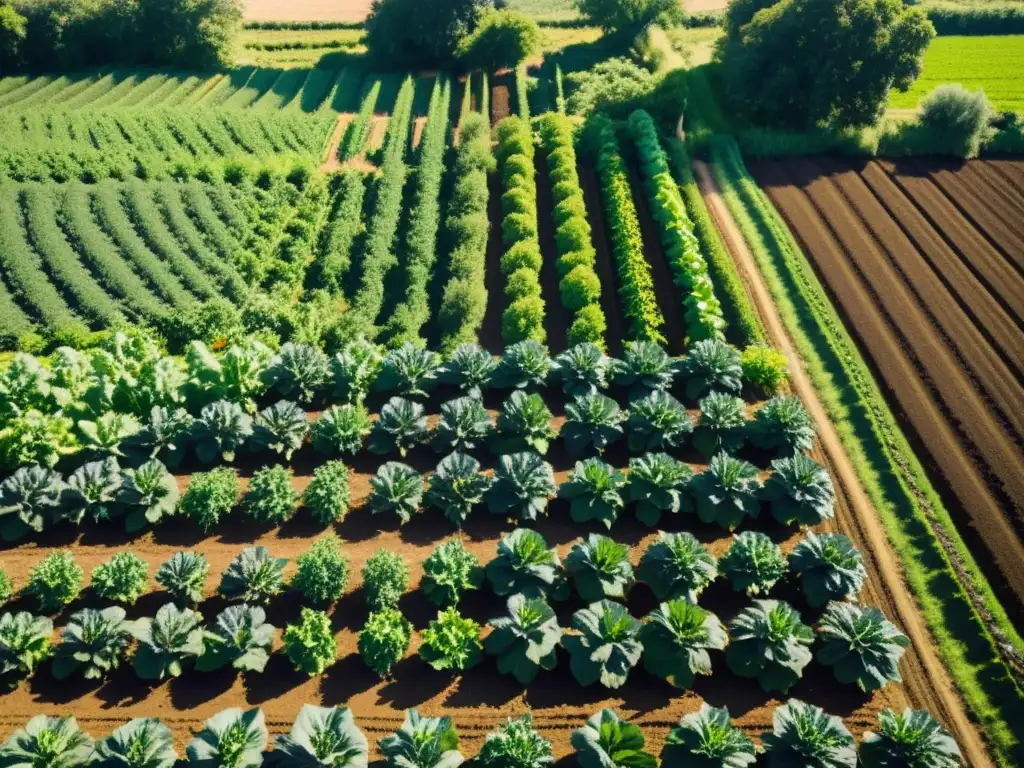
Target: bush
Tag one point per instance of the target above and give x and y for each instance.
(322, 571)
(524, 254)
(959, 115)
(327, 496)
(270, 497)
(123, 578)
(522, 284)
(56, 581)
(580, 288)
(590, 325)
(310, 644)
(764, 369)
(384, 640)
(502, 40)
(385, 579)
(210, 496)
(524, 319)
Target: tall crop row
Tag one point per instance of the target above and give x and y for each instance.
(344, 226)
(424, 221)
(523, 317)
(464, 300)
(359, 129)
(704, 318)
(636, 284)
(579, 287)
(523, 91)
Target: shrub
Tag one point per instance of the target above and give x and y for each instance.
(770, 642)
(240, 637)
(451, 642)
(608, 740)
(677, 637)
(515, 745)
(327, 736)
(526, 640)
(254, 576)
(327, 496)
(525, 565)
(210, 496)
(55, 581)
(658, 483)
(270, 497)
(501, 40)
(523, 320)
(168, 643)
(322, 571)
(123, 578)
(230, 739)
(830, 567)
(708, 735)
(522, 255)
(521, 284)
(608, 645)
(914, 739)
(588, 326)
(594, 490)
(677, 565)
(600, 568)
(449, 571)
(805, 733)
(310, 644)
(24, 643)
(6, 587)
(960, 116)
(860, 646)
(385, 579)
(396, 488)
(764, 369)
(340, 429)
(184, 576)
(754, 563)
(782, 424)
(579, 288)
(384, 640)
(523, 485)
(429, 742)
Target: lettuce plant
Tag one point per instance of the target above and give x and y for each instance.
(402, 426)
(600, 568)
(524, 424)
(608, 741)
(184, 576)
(861, 646)
(526, 640)
(94, 489)
(299, 371)
(727, 491)
(468, 367)
(210, 496)
(657, 422)
(149, 494)
(677, 565)
(677, 637)
(6, 587)
(321, 737)
(409, 371)
(55, 581)
(384, 640)
(753, 564)
(385, 579)
(592, 422)
(396, 488)
(525, 565)
(144, 742)
(911, 739)
(722, 424)
(711, 366)
(221, 429)
(449, 571)
(355, 370)
(236, 377)
(464, 425)
(105, 435)
(168, 642)
(280, 428)
(230, 739)
(254, 576)
(322, 571)
(164, 437)
(771, 643)
(658, 483)
(607, 646)
(644, 368)
(327, 497)
(423, 742)
(830, 567)
(594, 490)
(451, 642)
(36, 438)
(240, 637)
(803, 734)
(515, 745)
(30, 500)
(783, 425)
(707, 738)
(25, 385)
(24, 643)
(270, 497)
(123, 578)
(584, 369)
(53, 742)
(93, 642)
(310, 644)
(800, 491)
(525, 364)
(340, 429)
(523, 485)
(456, 486)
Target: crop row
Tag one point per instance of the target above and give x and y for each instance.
(523, 317)
(358, 131)
(344, 226)
(579, 287)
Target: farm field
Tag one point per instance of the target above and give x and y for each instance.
(923, 258)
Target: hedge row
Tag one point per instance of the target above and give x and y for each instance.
(523, 91)
(579, 287)
(523, 317)
(464, 299)
(346, 224)
(965, 19)
(359, 130)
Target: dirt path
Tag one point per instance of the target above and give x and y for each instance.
(864, 518)
(332, 163)
(494, 281)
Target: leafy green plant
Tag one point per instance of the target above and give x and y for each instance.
(771, 643)
(237, 377)
(451, 642)
(594, 490)
(423, 742)
(803, 734)
(515, 745)
(677, 637)
(321, 736)
(385, 579)
(525, 565)
(322, 571)
(861, 646)
(328, 496)
(677, 565)
(657, 422)
(355, 369)
(299, 371)
(29, 501)
(55, 581)
(721, 426)
(456, 486)
(584, 369)
(123, 578)
(830, 567)
(727, 491)
(143, 742)
(270, 497)
(592, 422)
(911, 739)
(764, 369)
(396, 488)
(149, 494)
(210, 496)
(169, 642)
(707, 738)
(608, 741)
(658, 483)
(753, 564)
(524, 424)
(525, 364)
(525, 641)
(464, 425)
(644, 368)
(402, 425)
(24, 643)
(106, 434)
(384, 640)
(6, 587)
(280, 428)
(230, 739)
(469, 367)
(93, 489)
(184, 576)
(799, 490)
(782, 425)
(340, 429)
(254, 576)
(36, 438)
(449, 571)
(164, 437)
(523, 485)
(240, 637)
(607, 646)
(221, 428)
(310, 644)
(600, 568)
(53, 742)
(711, 366)
(409, 371)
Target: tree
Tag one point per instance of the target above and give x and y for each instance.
(960, 115)
(503, 39)
(803, 63)
(12, 36)
(408, 31)
(199, 32)
(628, 15)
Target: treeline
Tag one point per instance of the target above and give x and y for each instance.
(48, 35)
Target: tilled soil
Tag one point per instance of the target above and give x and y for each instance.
(925, 271)
(502, 86)
(305, 10)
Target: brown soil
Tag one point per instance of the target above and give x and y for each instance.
(494, 281)
(502, 86)
(929, 686)
(605, 266)
(378, 130)
(957, 390)
(417, 131)
(332, 163)
(556, 319)
(698, 6)
(305, 10)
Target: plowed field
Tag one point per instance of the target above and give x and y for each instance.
(926, 261)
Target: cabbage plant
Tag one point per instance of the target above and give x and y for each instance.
(230, 739)
(410, 371)
(753, 564)
(592, 422)
(299, 371)
(722, 424)
(782, 425)
(164, 437)
(93, 490)
(24, 643)
(525, 565)
(236, 377)
(583, 369)
(47, 742)
(524, 365)
(254, 576)
(594, 490)
(144, 742)
(800, 491)
(861, 646)
(830, 567)
(105, 435)
(451, 642)
(524, 424)
(168, 643)
(340, 429)
(280, 428)
(526, 640)
(449, 571)
(464, 425)
(607, 646)
(911, 739)
(469, 367)
(94, 642)
(600, 568)
(708, 739)
(456, 486)
(608, 741)
(727, 492)
(805, 735)
(677, 565)
(402, 426)
(30, 500)
(321, 737)
(184, 576)
(771, 643)
(711, 366)
(423, 742)
(149, 494)
(240, 637)
(221, 429)
(644, 368)
(515, 745)
(523, 485)
(657, 422)
(658, 483)
(677, 637)
(396, 488)
(354, 370)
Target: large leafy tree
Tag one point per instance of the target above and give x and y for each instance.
(624, 15)
(406, 30)
(802, 63)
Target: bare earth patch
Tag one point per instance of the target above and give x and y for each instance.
(306, 10)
